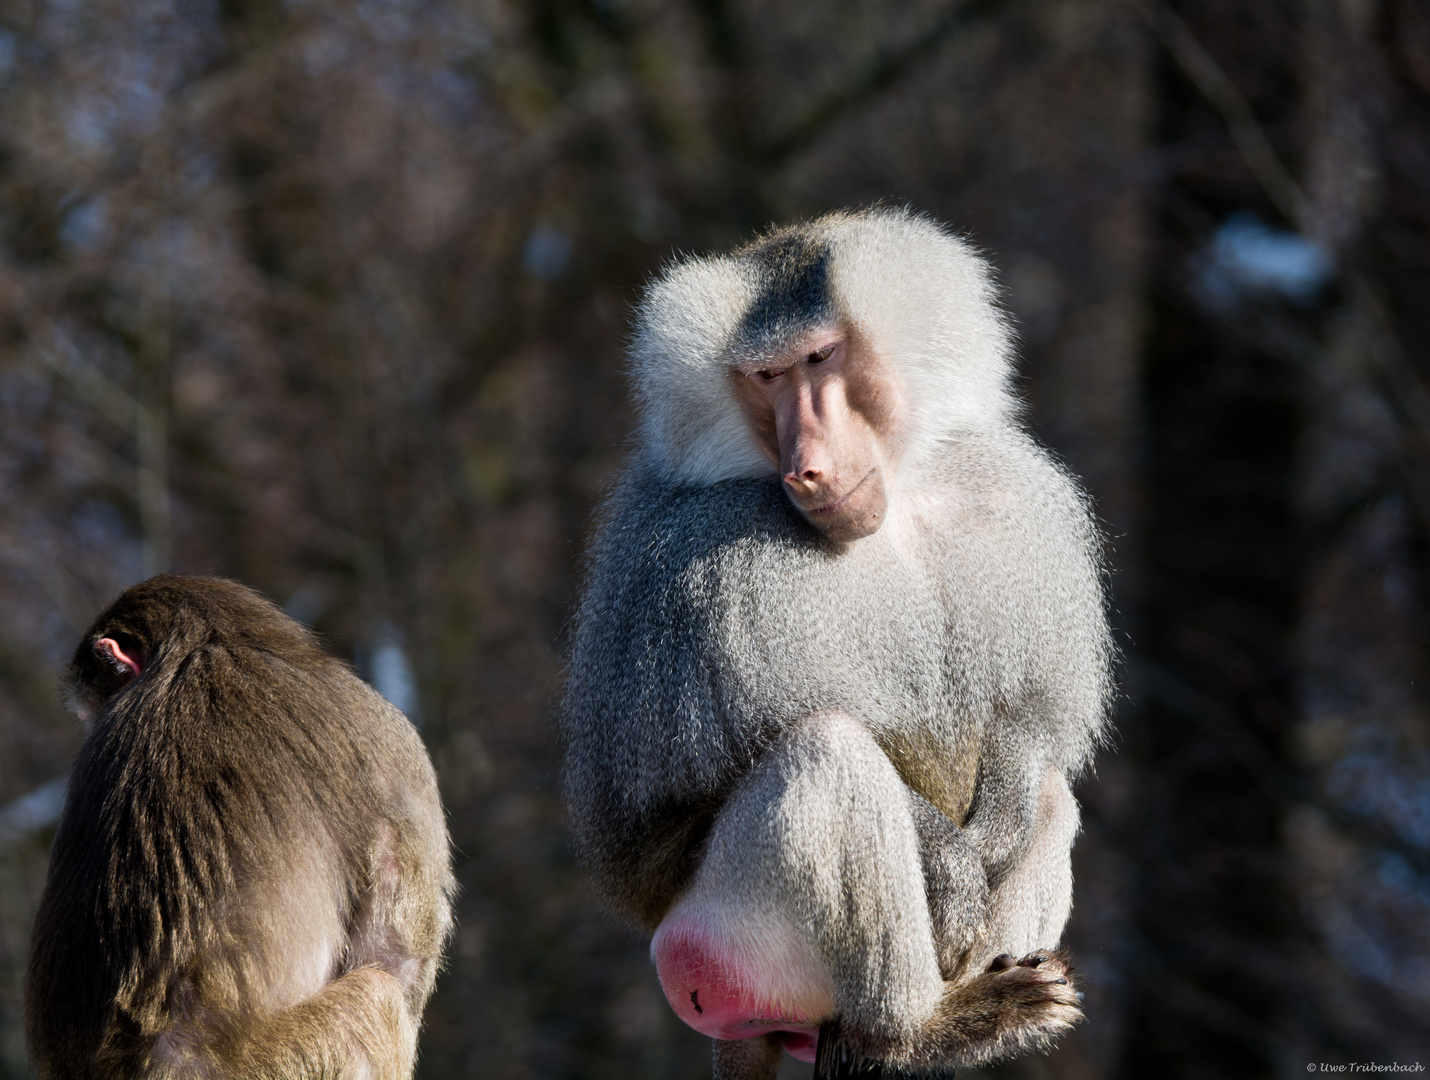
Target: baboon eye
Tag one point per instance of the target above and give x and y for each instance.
(821, 355)
(773, 373)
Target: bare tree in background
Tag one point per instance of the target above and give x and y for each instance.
(330, 297)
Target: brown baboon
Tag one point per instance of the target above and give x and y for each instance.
(251, 877)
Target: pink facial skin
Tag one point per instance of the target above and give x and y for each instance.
(705, 990)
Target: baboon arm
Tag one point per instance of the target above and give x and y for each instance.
(1004, 815)
(956, 885)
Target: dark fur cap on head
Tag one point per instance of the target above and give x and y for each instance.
(912, 290)
(167, 616)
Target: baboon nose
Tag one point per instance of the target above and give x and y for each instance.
(809, 477)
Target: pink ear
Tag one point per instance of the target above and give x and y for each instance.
(109, 648)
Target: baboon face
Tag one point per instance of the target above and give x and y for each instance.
(828, 412)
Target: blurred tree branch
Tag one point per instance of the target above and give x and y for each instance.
(882, 74)
(1209, 78)
(144, 422)
(1165, 687)
(61, 356)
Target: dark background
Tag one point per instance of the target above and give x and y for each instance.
(330, 296)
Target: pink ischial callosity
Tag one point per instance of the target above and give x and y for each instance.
(127, 663)
(703, 986)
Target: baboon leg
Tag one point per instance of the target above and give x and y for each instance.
(810, 905)
(810, 899)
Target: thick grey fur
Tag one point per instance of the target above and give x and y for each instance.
(873, 741)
